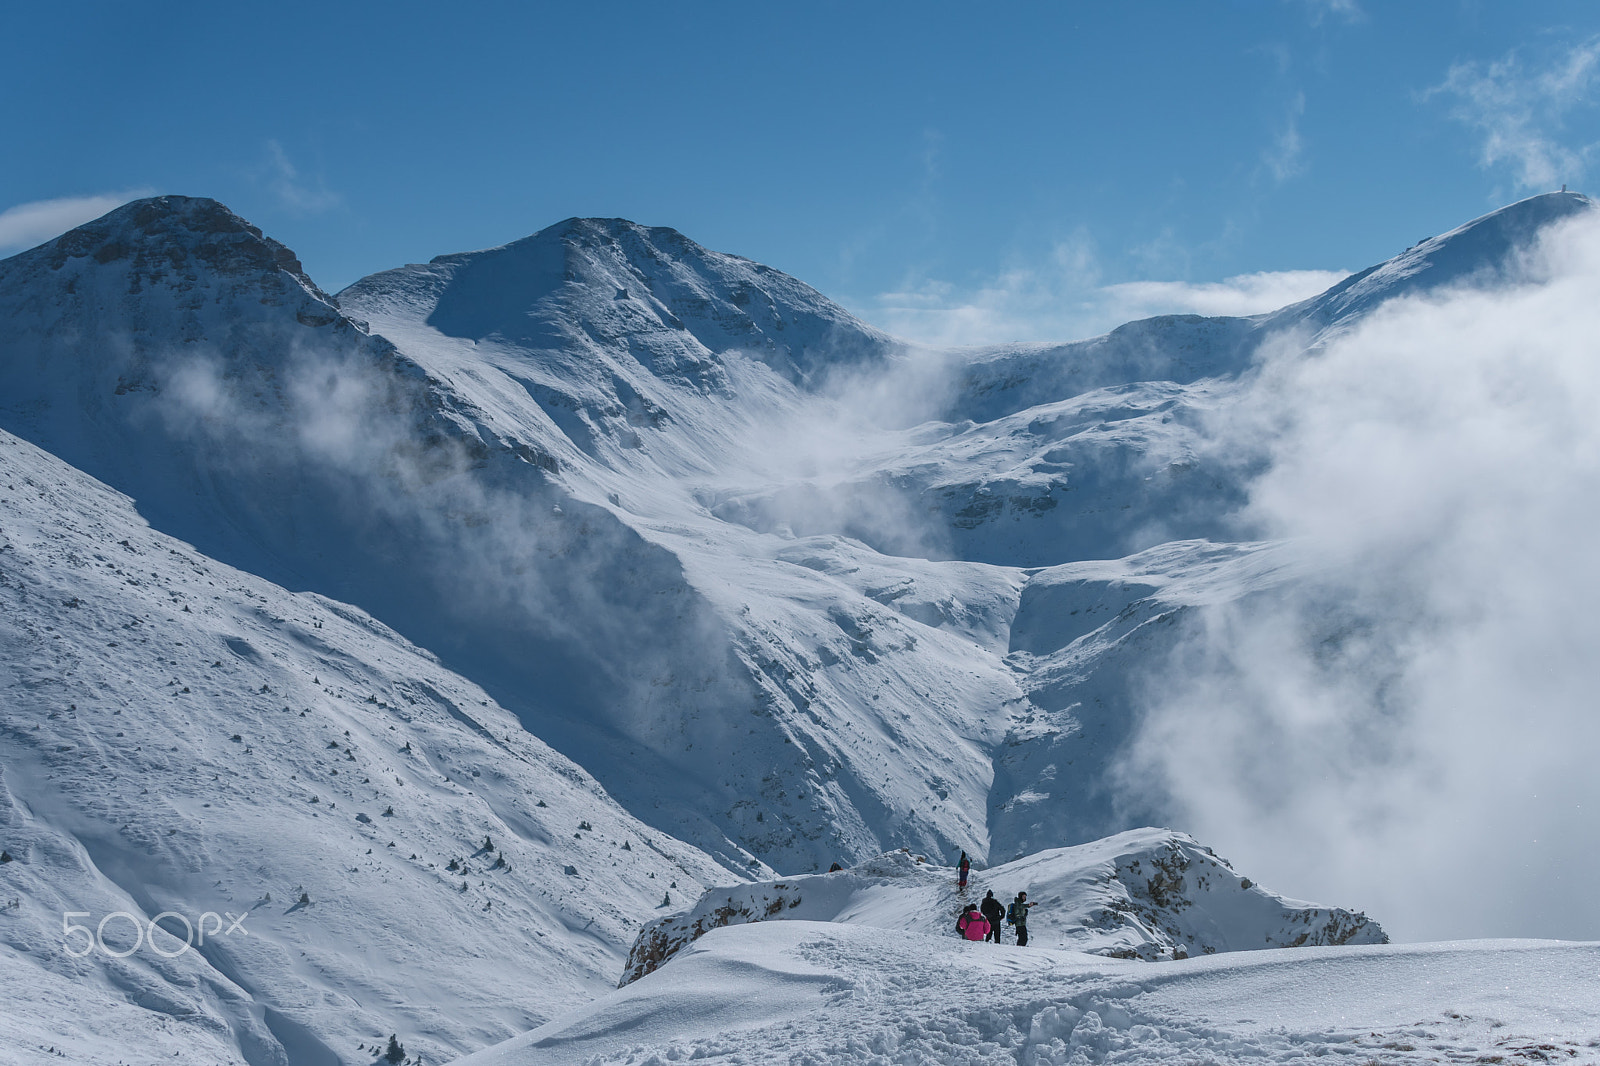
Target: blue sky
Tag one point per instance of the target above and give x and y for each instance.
(952, 171)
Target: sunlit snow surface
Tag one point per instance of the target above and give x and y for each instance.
(812, 993)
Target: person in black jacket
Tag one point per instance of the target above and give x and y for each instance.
(994, 911)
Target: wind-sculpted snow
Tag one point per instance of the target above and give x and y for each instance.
(811, 993)
(1146, 894)
(178, 736)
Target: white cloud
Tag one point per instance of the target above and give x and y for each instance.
(292, 191)
(30, 224)
(1348, 10)
(1413, 732)
(1521, 112)
(1285, 158)
(1063, 299)
(1242, 294)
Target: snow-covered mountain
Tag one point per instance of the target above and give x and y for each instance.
(656, 535)
(177, 735)
(664, 502)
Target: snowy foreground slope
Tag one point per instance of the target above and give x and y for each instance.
(807, 993)
(178, 736)
(1148, 894)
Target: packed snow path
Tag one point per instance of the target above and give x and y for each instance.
(809, 993)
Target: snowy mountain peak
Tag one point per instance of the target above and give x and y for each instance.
(162, 233)
(589, 282)
(1483, 248)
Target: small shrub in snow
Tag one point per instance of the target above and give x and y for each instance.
(395, 1052)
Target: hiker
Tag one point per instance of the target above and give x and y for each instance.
(1017, 915)
(963, 866)
(835, 868)
(993, 910)
(972, 925)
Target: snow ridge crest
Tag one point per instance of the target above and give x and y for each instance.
(1146, 894)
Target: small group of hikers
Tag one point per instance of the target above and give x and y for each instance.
(981, 921)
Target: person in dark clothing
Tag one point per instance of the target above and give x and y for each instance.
(1017, 915)
(993, 910)
(964, 866)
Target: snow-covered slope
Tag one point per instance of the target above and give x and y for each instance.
(178, 736)
(802, 993)
(1147, 894)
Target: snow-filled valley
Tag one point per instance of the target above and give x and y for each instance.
(458, 636)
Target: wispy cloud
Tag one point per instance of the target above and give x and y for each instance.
(293, 191)
(1063, 298)
(1348, 10)
(1521, 111)
(1285, 157)
(1242, 294)
(29, 224)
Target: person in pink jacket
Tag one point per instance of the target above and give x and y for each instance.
(972, 925)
